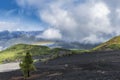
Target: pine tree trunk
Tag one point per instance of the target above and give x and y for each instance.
(28, 73)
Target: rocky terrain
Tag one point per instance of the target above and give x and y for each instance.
(104, 65)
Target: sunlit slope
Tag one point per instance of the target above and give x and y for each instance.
(112, 44)
(16, 52)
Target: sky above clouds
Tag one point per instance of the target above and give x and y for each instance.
(90, 21)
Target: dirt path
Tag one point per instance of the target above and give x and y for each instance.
(9, 67)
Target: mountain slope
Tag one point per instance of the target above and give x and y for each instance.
(112, 44)
(16, 52)
(9, 38)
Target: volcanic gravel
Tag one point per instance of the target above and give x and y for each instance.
(104, 65)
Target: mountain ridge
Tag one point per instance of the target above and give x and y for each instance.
(9, 38)
(112, 44)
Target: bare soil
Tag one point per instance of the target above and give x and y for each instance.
(88, 66)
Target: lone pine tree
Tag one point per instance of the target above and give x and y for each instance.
(27, 65)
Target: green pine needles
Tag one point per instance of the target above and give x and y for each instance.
(27, 65)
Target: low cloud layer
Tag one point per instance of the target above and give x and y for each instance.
(90, 21)
(48, 32)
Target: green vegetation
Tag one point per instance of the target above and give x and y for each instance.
(113, 44)
(27, 65)
(76, 51)
(43, 53)
(57, 52)
(17, 52)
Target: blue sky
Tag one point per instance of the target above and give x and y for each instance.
(15, 10)
(8, 4)
(76, 20)
(11, 12)
(25, 14)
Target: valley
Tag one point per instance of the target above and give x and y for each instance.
(99, 63)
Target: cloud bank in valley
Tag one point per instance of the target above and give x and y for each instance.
(90, 21)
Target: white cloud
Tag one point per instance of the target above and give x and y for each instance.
(15, 26)
(51, 34)
(58, 18)
(100, 10)
(90, 21)
(93, 39)
(7, 25)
